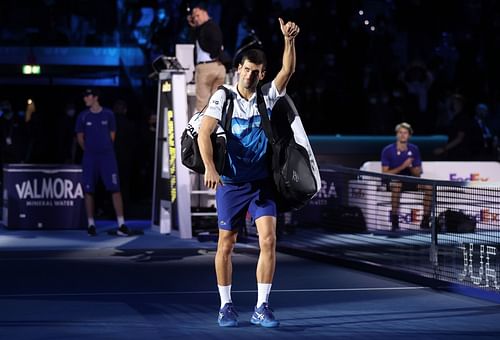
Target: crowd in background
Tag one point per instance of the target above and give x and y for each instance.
(363, 65)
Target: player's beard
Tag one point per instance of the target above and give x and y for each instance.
(250, 84)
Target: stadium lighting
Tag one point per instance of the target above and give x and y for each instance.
(31, 69)
(35, 69)
(27, 69)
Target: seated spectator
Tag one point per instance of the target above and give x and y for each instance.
(403, 158)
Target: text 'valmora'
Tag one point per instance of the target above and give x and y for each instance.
(49, 188)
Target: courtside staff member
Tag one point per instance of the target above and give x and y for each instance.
(95, 129)
(210, 73)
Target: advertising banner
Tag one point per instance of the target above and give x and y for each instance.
(472, 173)
(43, 197)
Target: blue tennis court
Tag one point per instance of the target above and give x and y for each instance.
(65, 285)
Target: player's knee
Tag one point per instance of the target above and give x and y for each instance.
(226, 243)
(225, 248)
(267, 241)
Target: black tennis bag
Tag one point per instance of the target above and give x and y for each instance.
(343, 219)
(292, 175)
(190, 151)
(293, 165)
(455, 221)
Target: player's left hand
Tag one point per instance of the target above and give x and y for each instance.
(289, 30)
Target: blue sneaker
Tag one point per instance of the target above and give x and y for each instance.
(264, 316)
(228, 316)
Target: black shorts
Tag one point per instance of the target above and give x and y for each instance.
(405, 186)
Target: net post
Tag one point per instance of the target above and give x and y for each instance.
(433, 255)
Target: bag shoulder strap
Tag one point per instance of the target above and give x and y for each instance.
(266, 123)
(227, 108)
(226, 118)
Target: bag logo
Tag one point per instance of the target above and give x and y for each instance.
(295, 176)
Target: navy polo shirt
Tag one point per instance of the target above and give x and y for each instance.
(97, 128)
(393, 158)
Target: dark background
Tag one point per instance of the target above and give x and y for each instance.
(348, 78)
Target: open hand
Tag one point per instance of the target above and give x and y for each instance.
(190, 20)
(212, 179)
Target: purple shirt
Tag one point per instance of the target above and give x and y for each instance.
(97, 128)
(393, 158)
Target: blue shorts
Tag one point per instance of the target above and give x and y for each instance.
(234, 200)
(101, 166)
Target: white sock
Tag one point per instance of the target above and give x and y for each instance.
(121, 220)
(225, 295)
(91, 221)
(263, 290)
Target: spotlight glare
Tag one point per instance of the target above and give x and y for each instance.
(35, 69)
(361, 12)
(367, 22)
(31, 69)
(27, 69)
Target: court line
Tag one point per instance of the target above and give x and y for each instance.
(315, 290)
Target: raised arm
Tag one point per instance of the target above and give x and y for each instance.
(290, 31)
